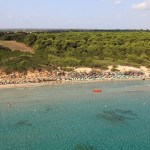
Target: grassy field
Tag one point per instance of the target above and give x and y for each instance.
(13, 45)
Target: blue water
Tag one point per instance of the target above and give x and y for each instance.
(72, 117)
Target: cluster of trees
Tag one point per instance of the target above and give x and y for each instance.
(91, 49)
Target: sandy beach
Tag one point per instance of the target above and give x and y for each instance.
(80, 75)
(52, 83)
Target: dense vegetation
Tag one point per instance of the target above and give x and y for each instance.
(91, 49)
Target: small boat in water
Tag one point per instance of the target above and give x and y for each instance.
(97, 90)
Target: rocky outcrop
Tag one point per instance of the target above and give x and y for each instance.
(30, 77)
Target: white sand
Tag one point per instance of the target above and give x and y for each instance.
(83, 69)
(145, 70)
(127, 68)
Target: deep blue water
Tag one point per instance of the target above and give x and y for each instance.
(72, 117)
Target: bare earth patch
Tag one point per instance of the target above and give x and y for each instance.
(13, 45)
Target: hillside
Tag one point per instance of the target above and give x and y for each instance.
(76, 49)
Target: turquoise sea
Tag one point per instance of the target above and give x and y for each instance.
(72, 117)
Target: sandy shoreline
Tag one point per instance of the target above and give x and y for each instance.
(30, 85)
(79, 75)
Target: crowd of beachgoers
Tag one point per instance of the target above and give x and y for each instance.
(58, 76)
(105, 75)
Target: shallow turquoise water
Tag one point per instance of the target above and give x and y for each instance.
(71, 117)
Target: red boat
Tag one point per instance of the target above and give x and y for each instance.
(97, 90)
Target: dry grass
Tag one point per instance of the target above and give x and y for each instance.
(13, 45)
